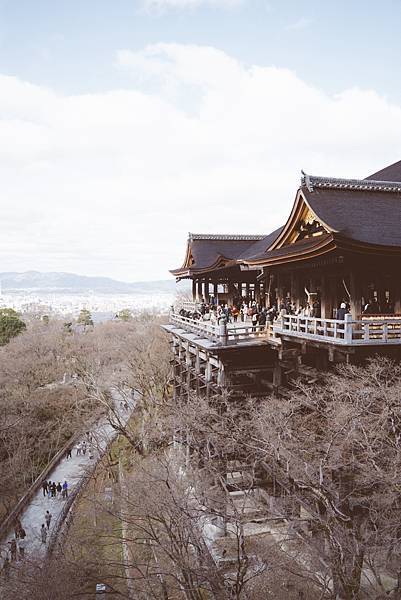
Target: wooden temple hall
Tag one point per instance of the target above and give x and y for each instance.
(340, 247)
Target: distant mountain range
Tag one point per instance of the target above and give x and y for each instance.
(71, 283)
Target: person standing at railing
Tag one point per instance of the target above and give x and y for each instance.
(235, 313)
(221, 318)
(371, 308)
(255, 319)
(341, 312)
(262, 317)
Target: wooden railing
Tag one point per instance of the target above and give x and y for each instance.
(348, 332)
(366, 331)
(187, 305)
(201, 328)
(222, 333)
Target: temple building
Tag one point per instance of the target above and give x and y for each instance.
(340, 247)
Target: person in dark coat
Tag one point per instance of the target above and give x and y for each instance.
(43, 533)
(45, 488)
(13, 549)
(48, 518)
(341, 312)
(262, 317)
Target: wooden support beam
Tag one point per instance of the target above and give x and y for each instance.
(207, 292)
(200, 291)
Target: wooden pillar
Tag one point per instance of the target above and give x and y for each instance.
(247, 292)
(262, 293)
(397, 294)
(269, 290)
(208, 375)
(221, 375)
(257, 292)
(296, 296)
(188, 363)
(355, 293)
(200, 294)
(279, 291)
(277, 376)
(207, 293)
(194, 290)
(215, 292)
(324, 308)
(175, 352)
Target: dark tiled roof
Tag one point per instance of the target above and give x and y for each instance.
(390, 173)
(311, 182)
(372, 217)
(261, 246)
(296, 249)
(212, 250)
(225, 237)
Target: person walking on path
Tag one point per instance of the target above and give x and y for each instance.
(13, 549)
(84, 447)
(78, 449)
(6, 568)
(65, 490)
(17, 527)
(43, 534)
(69, 453)
(21, 548)
(59, 490)
(48, 518)
(45, 488)
(54, 489)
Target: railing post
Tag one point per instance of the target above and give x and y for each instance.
(348, 328)
(223, 337)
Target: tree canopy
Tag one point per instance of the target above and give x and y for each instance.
(124, 315)
(10, 325)
(85, 317)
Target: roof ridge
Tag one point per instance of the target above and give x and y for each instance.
(312, 181)
(225, 236)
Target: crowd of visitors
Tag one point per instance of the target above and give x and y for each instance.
(249, 311)
(245, 312)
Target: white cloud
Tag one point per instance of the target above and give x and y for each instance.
(161, 6)
(301, 23)
(111, 183)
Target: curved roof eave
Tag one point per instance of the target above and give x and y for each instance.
(297, 251)
(299, 201)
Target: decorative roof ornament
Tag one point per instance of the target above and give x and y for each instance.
(305, 180)
(225, 237)
(312, 182)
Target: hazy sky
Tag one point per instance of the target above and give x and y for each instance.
(124, 124)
